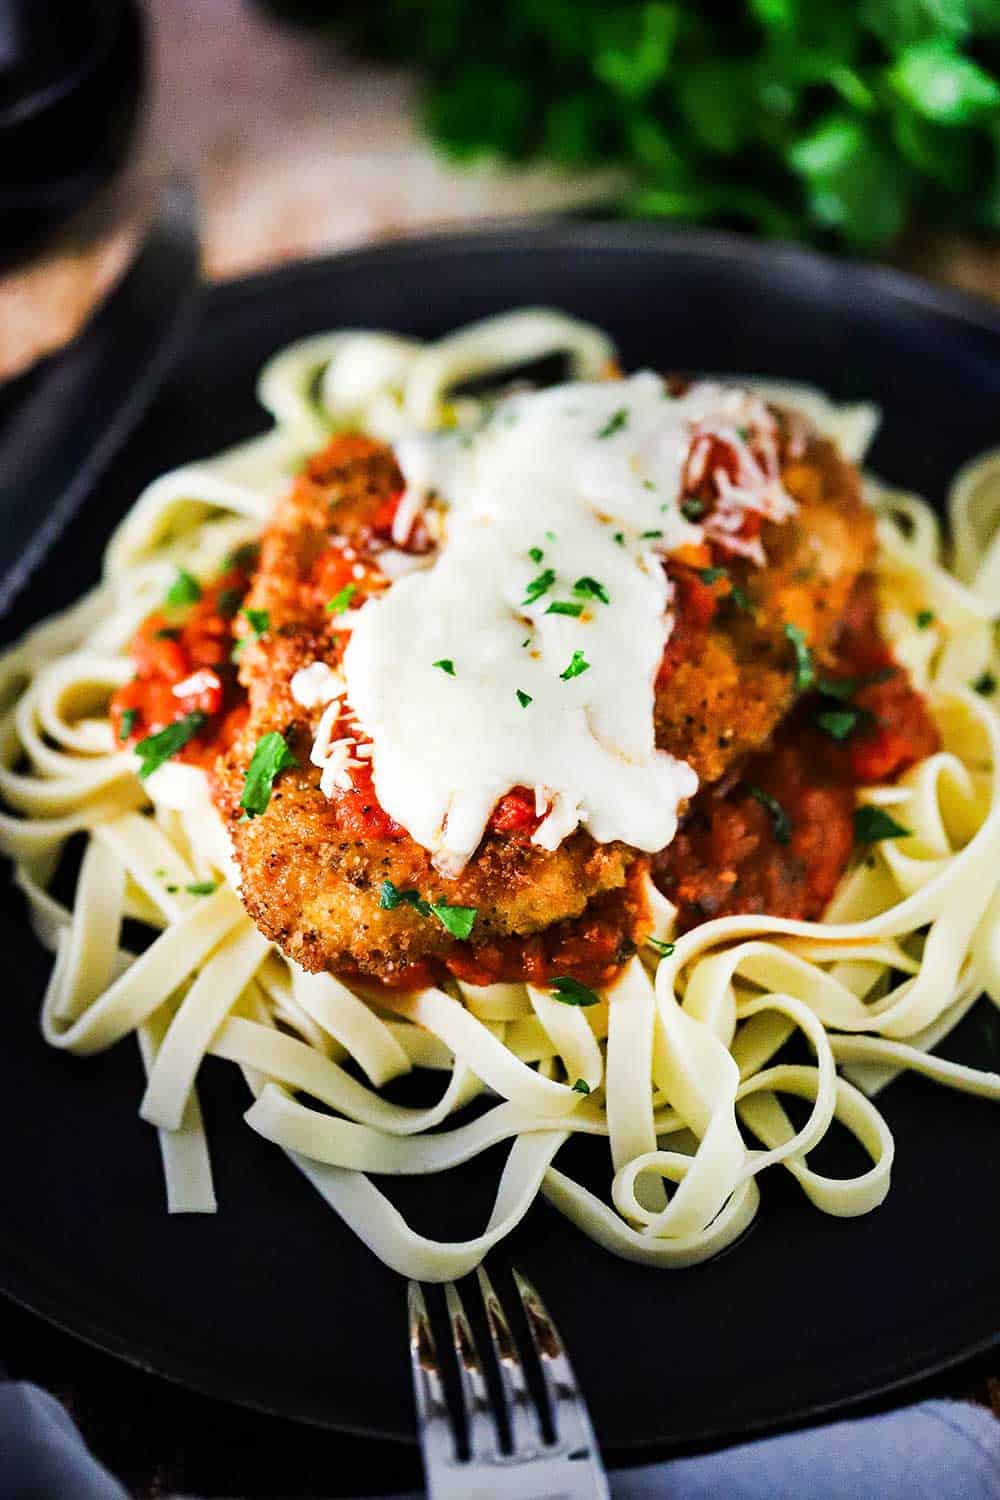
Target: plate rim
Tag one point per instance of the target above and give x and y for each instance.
(531, 235)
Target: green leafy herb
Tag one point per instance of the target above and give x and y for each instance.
(458, 920)
(925, 617)
(578, 664)
(805, 672)
(581, 1086)
(619, 537)
(536, 554)
(985, 684)
(524, 698)
(564, 607)
(615, 423)
(446, 665)
(740, 599)
(202, 888)
(127, 724)
(185, 588)
(228, 602)
(712, 575)
(838, 723)
(341, 599)
(158, 748)
(539, 586)
(846, 687)
(648, 484)
(872, 824)
(270, 757)
(572, 992)
(780, 820)
(391, 896)
(260, 620)
(663, 949)
(591, 589)
(168, 633)
(692, 509)
(651, 535)
(801, 118)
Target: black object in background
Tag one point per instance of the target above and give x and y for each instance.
(71, 80)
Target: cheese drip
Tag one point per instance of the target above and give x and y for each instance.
(583, 481)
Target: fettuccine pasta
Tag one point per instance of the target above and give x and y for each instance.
(679, 1067)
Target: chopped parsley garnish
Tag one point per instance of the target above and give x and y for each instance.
(743, 433)
(160, 747)
(591, 589)
(779, 818)
(692, 509)
(805, 672)
(985, 684)
(524, 698)
(341, 599)
(391, 896)
(615, 423)
(651, 535)
(168, 633)
(550, 536)
(619, 537)
(536, 554)
(270, 757)
(260, 620)
(185, 588)
(838, 723)
(244, 557)
(202, 888)
(663, 949)
(127, 724)
(925, 617)
(228, 602)
(539, 586)
(871, 824)
(578, 665)
(712, 575)
(446, 665)
(846, 687)
(572, 992)
(563, 607)
(581, 1086)
(741, 599)
(648, 484)
(458, 920)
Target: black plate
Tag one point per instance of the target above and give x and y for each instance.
(273, 1302)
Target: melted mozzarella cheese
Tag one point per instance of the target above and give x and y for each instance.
(590, 476)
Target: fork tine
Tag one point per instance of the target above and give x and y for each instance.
(437, 1436)
(525, 1431)
(570, 1422)
(481, 1433)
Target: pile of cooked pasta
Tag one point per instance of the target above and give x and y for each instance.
(676, 1066)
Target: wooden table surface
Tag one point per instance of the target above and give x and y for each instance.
(295, 149)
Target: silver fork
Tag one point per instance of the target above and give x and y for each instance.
(569, 1468)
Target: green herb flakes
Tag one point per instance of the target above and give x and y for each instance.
(565, 607)
(924, 618)
(615, 423)
(591, 589)
(185, 589)
(202, 888)
(524, 698)
(577, 666)
(127, 724)
(780, 820)
(838, 723)
(581, 1086)
(539, 586)
(270, 757)
(572, 992)
(985, 684)
(158, 748)
(341, 599)
(446, 665)
(805, 672)
(872, 824)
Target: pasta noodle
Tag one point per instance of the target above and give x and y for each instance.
(678, 1066)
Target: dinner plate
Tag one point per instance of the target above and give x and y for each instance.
(273, 1302)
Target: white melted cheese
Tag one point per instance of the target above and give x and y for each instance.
(591, 475)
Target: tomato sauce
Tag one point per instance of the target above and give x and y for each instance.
(183, 665)
(777, 839)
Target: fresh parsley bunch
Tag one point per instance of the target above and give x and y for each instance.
(831, 119)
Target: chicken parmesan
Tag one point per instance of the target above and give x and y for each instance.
(490, 674)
